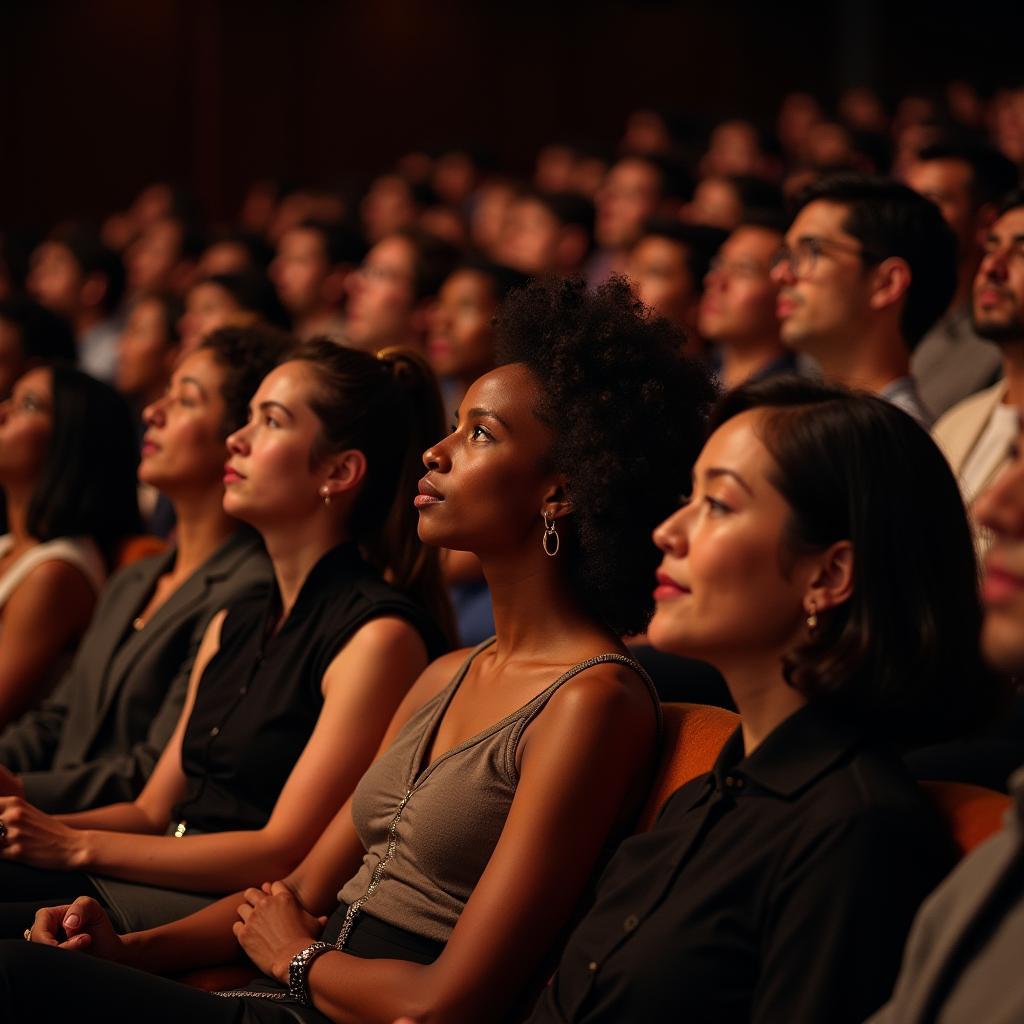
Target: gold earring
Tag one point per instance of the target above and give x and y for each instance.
(325, 494)
(812, 619)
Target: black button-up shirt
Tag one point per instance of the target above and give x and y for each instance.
(779, 887)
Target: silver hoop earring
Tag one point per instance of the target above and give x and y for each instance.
(812, 619)
(325, 494)
(549, 532)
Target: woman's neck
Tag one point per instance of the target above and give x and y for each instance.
(762, 696)
(202, 527)
(18, 501)
(294, 550)
(535, 614)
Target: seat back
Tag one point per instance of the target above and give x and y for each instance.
(131, 549)
(973, 813)
(694, 734)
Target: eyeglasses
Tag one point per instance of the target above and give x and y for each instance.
(802, 258)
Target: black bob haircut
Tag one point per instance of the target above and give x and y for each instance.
(628, 411)
(87, 484)
(901, 656)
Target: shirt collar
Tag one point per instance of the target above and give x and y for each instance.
(791, 758)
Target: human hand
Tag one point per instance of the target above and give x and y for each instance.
(32, 837)
(10, 784)
(273, 927)
(85, 927)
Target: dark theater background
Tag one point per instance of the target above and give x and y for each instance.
(99, 98)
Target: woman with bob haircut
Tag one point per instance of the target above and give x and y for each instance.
(67, 469)
(291, 692)
(509, 770)
(824, 564)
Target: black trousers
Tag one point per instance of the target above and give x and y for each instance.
(40, 984)
(23, 890)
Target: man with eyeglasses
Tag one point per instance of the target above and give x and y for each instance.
(737, 309)
(977, 433)
(867, 267)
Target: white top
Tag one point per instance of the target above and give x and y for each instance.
(80, 552)
(991, 448)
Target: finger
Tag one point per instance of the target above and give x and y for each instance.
(265, 887)
(46, 924)
(254, 896)
(279, 888)
(79, 942)
(237, 929)
(244, 911)
(83, 913)
(322, 920)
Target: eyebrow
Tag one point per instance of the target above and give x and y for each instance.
(714, 473)
(480, 413)
(263, 406)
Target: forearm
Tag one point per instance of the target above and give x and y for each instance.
(124, 817)
(215, 863)
(203, 939)
(354, 990)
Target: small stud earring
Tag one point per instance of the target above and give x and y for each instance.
(812, 619)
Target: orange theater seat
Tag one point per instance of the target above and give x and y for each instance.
(131, 549)
(973, 813)
(694, 735)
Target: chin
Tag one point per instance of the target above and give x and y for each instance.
(1002, 645)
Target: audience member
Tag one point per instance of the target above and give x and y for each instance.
(392, 293)
(289, 697)
(867, 268)
(636, 189)
(978, 434)
(67, 470)
(737, 309)
(313, 263)
(163, 257)
(961, 963)
(543, 740)
(30, 336)
(667, 268)
(780, 885)
(228, 300)
(548, 233)
(148, 348)
(76, 276)
(724, 202)
(966, 182)
(232, 251)
(97, 739)
(392, 204)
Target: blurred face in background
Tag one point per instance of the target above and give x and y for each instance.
(531, 237)
(152, 260)
(300, 270)
(26, 428)
(55, 279)
(387, 207)
(947, 183)
(461, 339)
(382, 306)
(715, 202)
(660, 275)
(739, 298)
(630, 195)
(146, 354)
(208, 306)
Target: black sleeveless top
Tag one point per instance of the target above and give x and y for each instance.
(259, 698)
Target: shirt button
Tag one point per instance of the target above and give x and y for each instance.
(593, 966)
(730, 781)
(630, 923)
(215, 731)
(243, 691)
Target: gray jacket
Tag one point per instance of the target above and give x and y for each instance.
(962, 964)
(98, 737)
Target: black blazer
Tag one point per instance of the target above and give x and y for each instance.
(98, 737)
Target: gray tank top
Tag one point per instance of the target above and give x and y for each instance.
(429, 831)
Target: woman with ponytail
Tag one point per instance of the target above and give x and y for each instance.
(289, 695)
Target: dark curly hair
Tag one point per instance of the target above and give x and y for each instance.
(901, 656)
(628, 411)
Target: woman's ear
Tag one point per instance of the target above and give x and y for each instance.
(556, 501)
(345, 471)
(831, 581)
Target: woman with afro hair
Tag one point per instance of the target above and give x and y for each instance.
(510, 769)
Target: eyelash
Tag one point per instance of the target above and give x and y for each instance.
(473, 431)
(715, 505)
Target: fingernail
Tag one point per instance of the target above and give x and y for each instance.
(71, 921)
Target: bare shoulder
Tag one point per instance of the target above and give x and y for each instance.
(387, 631)
(48, 583)
(609, 692)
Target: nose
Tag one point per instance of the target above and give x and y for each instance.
(238, 441)
(1000, 507)
(153, 414)
(670, 535)
(782, 271)
(993, 265)
(436, 457)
